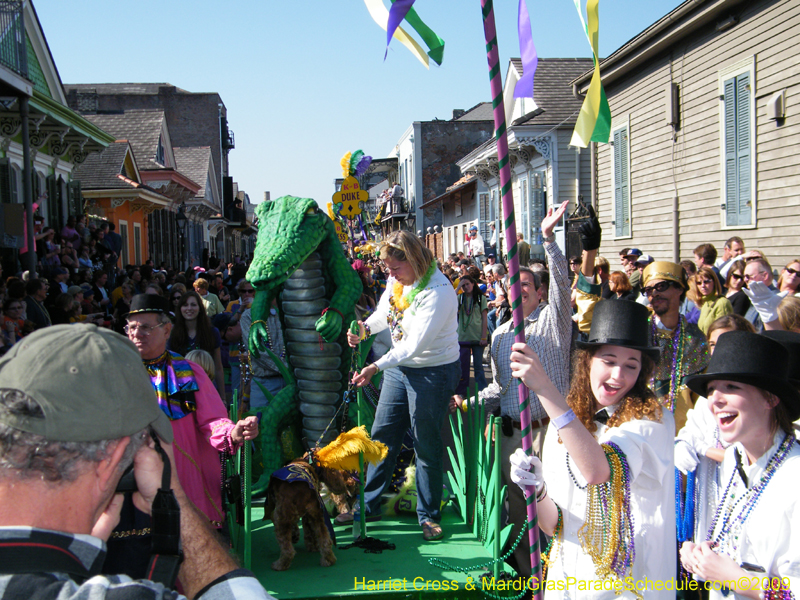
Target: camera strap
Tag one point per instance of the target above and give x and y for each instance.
(165, 548)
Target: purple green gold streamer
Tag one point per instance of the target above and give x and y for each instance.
(396, 15)
(380, 15)
(434, 43)
(594, 120)
(515, 289)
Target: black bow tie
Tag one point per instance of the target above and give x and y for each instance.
(601, 416)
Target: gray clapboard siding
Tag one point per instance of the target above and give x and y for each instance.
(767, 30)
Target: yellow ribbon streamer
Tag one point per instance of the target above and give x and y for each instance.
(380, 14)
(592, 104)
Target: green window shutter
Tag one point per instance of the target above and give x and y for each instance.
(53, 203)
(74, 198)
(622, 204)
(743, 157)
(738, 157)
(731, 195)
(6, 189)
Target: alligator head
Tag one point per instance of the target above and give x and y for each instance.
(290, 229)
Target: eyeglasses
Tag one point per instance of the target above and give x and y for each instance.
(142, 330)
(705, 282)
(793, 271)
(250, 291)
(659, 287)
(736, 276)
(176, 297)
(14, 308)
(575, 263)
(756, 277)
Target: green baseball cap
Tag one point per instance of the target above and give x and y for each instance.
(89, 382)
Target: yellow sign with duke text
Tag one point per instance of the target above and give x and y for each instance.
(351, 196)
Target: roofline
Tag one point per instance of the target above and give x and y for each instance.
(656, 38)
(489, 147)
(144, 193)
(172, 174)
(72, 118)
(440, 198)
(159, 83)
(38, 23)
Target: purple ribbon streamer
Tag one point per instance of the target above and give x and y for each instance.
(527, 51)
(363, 231)
(397, 13)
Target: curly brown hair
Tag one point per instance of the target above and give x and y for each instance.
(639, 403)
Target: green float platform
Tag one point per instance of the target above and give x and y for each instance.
(401, 573)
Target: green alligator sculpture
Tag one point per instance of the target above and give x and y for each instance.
(299, 261)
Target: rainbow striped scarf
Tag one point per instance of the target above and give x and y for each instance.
(172, 377)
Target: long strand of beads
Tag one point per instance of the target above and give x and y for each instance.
(551, 552)
(684, 506)
(678, 343)
(607, 534)
(441, 564)
(777, 589)
(748, 500)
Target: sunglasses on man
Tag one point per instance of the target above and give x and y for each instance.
(657, 288)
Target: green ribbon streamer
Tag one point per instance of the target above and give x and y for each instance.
(434, 43)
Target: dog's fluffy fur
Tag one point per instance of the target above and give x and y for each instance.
(289, 502)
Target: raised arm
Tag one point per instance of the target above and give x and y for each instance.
(582, 446)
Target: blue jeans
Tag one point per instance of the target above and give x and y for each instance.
(474, 351)
(492, 321)
(415, 398)
(236, 379)
(273, 386)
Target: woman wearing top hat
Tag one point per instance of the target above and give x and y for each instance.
(749, 539)
(605, 487)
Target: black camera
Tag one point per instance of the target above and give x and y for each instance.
(128, 481)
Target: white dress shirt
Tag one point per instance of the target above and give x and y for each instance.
(768, 537)
(647, 446)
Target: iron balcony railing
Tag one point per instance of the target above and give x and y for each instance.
(13, 50)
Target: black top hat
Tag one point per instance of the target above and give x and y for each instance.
(621, 324)
(790, 341)
(752, 359)
(148, 303)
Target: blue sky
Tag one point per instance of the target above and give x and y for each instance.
(304, 81)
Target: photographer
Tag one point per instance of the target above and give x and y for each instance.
(69, 427)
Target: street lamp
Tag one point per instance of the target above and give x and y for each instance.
(182, 221)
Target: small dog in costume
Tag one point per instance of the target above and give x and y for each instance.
(294, 494)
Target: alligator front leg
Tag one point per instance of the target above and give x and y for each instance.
(348, 287)
(259, 312)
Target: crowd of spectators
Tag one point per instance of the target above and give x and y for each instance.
(79, 280)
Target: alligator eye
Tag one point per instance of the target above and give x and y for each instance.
(312, 211)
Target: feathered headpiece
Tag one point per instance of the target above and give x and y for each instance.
(355, 164)
(342, 453)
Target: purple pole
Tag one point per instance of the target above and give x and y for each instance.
(515, 289)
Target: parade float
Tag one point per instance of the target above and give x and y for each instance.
(301, 270)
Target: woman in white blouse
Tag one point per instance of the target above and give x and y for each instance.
(751, 548)
(422, 370)
(605, 486)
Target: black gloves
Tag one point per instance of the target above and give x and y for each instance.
(590, 231)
